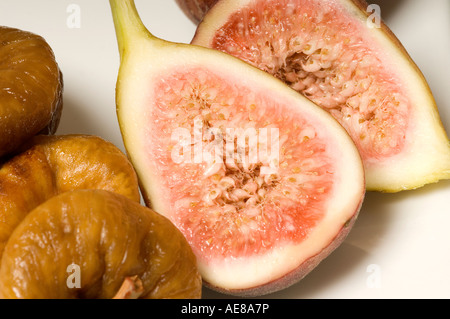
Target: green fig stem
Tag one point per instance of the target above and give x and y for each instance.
(128, 24)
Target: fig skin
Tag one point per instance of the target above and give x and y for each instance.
(31, 88)
(195, 10)
(50, 165)
(110, 237)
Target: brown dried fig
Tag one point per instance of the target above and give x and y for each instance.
(55, 164)
(31, 86)
(114, 245)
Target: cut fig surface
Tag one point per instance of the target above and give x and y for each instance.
(263, 183)
(97, 244)
(31, 87)
(362, 75)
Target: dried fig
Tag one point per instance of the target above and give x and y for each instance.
(31, 86)
(117, 247)
(55, 164)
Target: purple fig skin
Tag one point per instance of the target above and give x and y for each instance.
(195, 10)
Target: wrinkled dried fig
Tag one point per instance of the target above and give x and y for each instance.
(31, 86)
(117, 248)
(55, 164)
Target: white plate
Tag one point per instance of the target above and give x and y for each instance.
(399, 247)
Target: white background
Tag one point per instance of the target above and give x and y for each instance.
(400, 245)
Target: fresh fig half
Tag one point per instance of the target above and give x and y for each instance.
(262, 182)
(334, 53)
